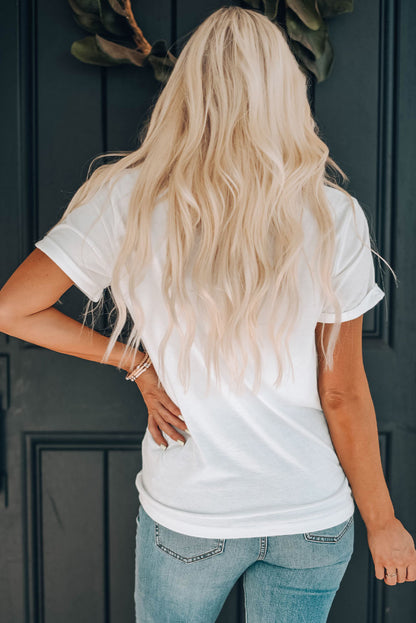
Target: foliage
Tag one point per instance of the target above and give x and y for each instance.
(115, 38)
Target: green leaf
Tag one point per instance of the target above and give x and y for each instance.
(120, 53)
(256, 4)
(314, 40)
(87, 51)
(307, 12)
(85, 6)
(90, 23)
(321, 67)
(331, 8)
(270, 8)
(114, 24)
(162, 66)
(159, 48)
(117, 7)
(99, 17)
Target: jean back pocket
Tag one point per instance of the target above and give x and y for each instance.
(185, 547)
(330, 535)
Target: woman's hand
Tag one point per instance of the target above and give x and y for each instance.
(392, 548)
(162, 411)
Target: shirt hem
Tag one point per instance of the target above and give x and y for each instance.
(276, 527)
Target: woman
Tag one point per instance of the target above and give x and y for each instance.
(246, 270)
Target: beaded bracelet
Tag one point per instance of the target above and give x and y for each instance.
(139, 369)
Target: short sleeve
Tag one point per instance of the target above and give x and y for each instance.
(354, 275)
(85, 244)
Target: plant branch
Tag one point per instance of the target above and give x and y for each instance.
(141, 42)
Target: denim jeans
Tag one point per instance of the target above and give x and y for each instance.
(286, 579)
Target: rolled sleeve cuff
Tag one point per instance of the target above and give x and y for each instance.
(371, 299)
(66, 263)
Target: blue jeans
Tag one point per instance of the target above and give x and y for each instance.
(286, 579)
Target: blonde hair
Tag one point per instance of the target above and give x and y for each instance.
(233, 145)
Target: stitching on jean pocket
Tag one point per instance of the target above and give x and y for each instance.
(167, 539)
(320, 537)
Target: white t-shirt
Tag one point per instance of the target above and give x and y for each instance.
(253, 464)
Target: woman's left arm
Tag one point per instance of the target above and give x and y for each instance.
(348, 407)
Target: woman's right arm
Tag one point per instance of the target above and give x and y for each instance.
(27, 312)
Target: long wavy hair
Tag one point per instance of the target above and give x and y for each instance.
(232, 144)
